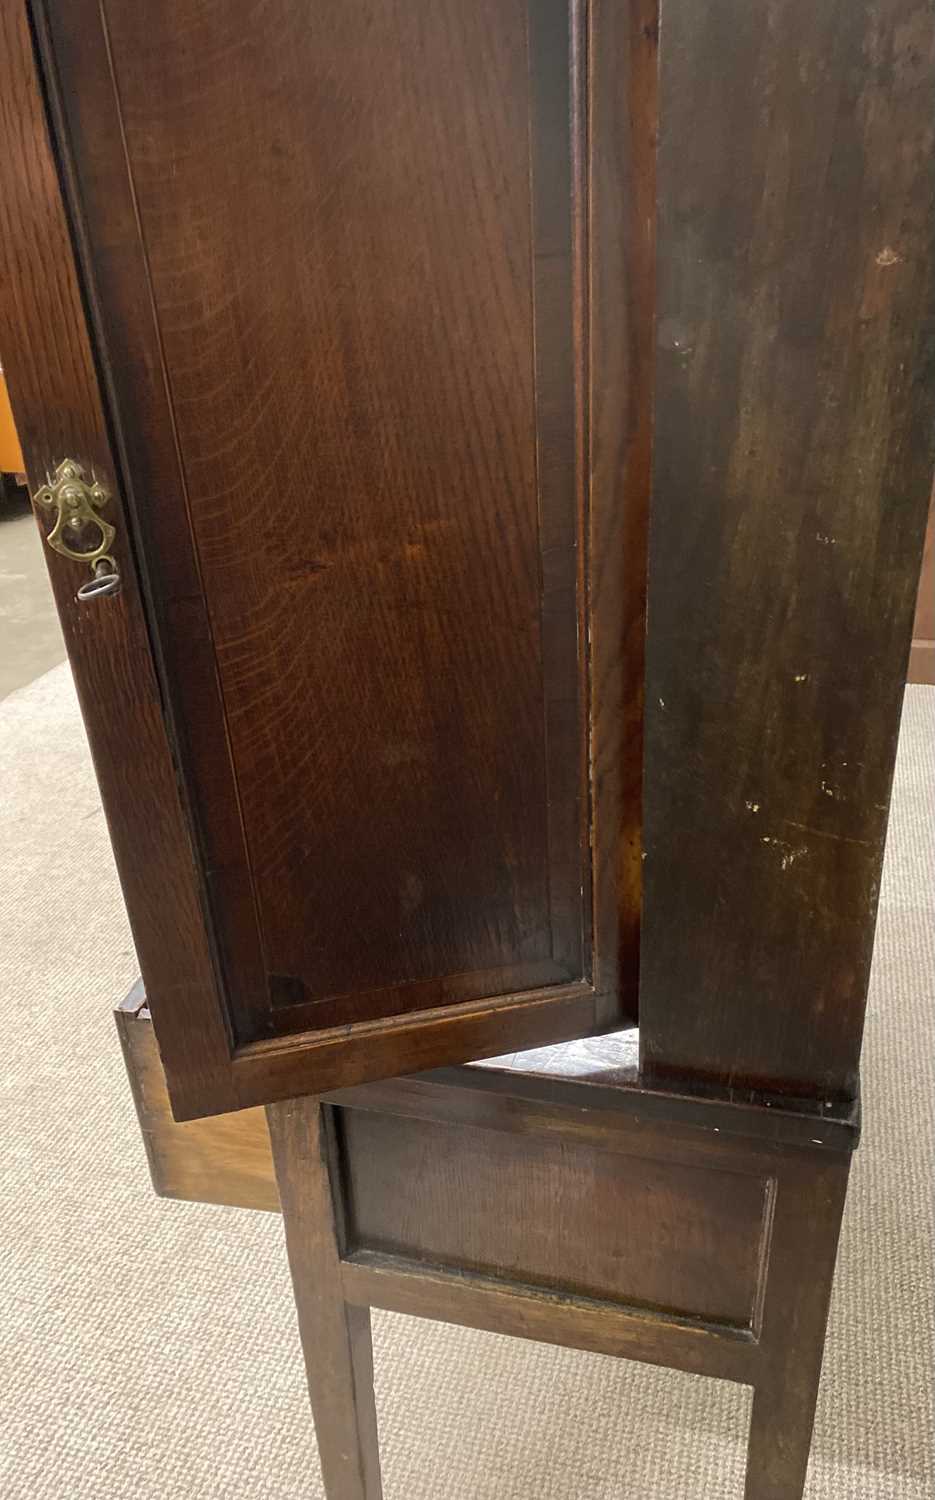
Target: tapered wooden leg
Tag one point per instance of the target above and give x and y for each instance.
(335, 1335)
(780, 1441)
(800, 1270)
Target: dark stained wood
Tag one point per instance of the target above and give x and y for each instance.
(473, 1301)
(555, 1214)
(364, 742)
(225, 1158)
(797, 1294)
(341, 1057)
(792, 466)
(605, 1071)
(529, 1104)
(778, 1352)
(56, 400)
(620, 66)
(476, 1207)
(922, 651)
(528, 756)
(417, 448)
(335, 1334)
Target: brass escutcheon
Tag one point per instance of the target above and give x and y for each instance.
(76, 504)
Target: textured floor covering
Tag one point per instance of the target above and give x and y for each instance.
(147, 1349)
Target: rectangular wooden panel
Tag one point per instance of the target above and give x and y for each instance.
(547, 1212)
(379, 682)
(339, 272)
(793, 459)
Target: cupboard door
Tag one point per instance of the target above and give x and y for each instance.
(336, 265)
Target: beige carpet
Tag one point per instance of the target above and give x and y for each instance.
(148, 1348)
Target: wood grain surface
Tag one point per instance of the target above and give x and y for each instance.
(621, 71)
(336, 1338)
(687, 1247)
(585, 1094)
(359, 500)
(374, 490)
(549, 1212)
(391, 328)
(59, 412)
(225, 1158)
(792, 466)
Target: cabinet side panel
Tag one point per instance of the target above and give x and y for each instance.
(792, 463)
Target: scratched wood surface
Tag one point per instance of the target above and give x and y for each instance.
(793, 459)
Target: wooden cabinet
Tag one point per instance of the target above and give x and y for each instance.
(388, 334)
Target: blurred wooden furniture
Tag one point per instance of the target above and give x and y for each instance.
(11, 458)
(922, 652)
(691, 1233)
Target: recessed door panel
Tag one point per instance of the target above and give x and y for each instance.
(366, 311)
(354, 230)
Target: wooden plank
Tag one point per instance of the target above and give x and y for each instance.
(619, 288)
(222, 1159)
(793, 459)
(379, 736)
(370, 1279)
(799, 1272)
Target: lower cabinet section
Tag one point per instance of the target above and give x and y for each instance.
(619, 1209)
(698, 1234)
(546, 1212)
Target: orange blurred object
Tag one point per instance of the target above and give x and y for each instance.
(11, 455)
